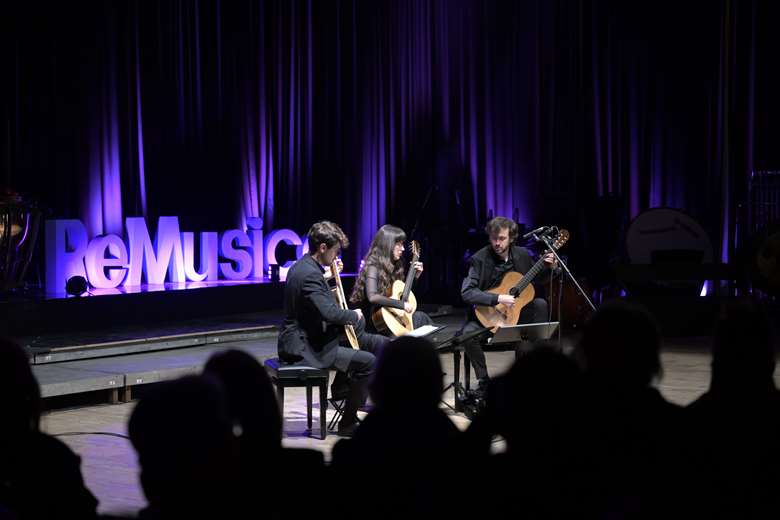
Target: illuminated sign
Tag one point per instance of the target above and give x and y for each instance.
(108, 261)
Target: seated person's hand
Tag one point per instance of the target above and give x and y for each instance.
(418, 267)
(359, 313)
(408, 307)
(328, 274)
(506, 299)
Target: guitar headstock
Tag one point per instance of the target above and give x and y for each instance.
(416, 249)
(561, 238)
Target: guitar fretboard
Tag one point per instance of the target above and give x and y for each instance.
(409, 279)
(527, 278)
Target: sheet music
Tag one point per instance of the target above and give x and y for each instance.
(420, 332)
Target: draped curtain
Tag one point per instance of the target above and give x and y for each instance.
(431, 114)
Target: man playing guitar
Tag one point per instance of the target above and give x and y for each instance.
(314, 324)
(487, 267)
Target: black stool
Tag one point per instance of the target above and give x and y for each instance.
(287, 376)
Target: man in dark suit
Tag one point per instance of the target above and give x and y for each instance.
(487, 268)
(314, 323)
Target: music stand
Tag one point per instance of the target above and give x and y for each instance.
(526, 333)
(426, 331)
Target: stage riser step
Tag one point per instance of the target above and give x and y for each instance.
(136, 346)
(124, 372)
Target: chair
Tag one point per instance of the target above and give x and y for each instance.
(290, 376)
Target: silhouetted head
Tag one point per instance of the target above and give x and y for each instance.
(183, 435)
(621, 345)
(20, 396)
(251, 398)
(532, 401)
(743, 355)
(408, 376)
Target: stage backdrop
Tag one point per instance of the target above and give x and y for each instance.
(430, 114)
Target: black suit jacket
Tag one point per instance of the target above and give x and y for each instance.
(313, 321)
(480, 277)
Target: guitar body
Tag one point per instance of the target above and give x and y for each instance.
(396, 322)
(500, 316)
(352, 337)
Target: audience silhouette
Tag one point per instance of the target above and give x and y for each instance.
(735, 425)
(406, 448)
(534, 408)
(630, 435)
(183, 434)
(40, 477)
(263, 463)
(586, 436)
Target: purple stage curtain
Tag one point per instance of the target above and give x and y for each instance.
(363, 112)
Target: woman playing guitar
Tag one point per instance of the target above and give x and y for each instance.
(382, 266)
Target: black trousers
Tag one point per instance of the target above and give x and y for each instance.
(359, 371)
(534, 312)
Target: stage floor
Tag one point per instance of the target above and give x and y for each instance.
(110, 467)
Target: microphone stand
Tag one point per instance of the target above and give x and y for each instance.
(544, 238)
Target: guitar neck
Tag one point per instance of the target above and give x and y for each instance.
(528, 277)
(339, 288)
(409, 279)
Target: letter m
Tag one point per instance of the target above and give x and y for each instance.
(166, 255)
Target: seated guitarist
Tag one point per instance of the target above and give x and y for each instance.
(488, 266)
(382, 266)
(314, 324)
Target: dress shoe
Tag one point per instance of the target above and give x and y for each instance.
(347, 430)
(482, 388)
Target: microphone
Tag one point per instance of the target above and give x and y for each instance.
(536, 231)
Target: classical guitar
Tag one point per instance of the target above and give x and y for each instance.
(389, 320)
(518, 285)
(342, 302)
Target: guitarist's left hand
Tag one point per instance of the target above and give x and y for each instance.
(550, 260)
(418, 266)
(328, 274)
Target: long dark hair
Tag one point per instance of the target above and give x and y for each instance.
(380, 255)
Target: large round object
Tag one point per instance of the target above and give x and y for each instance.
(762, 259)
(665, 235)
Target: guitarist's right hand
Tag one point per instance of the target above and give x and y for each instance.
(506, 299)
